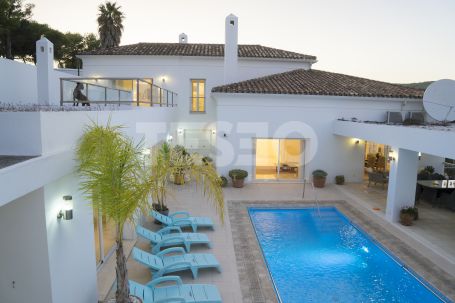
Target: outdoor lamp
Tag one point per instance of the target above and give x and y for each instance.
(391, 155)
(67, 211)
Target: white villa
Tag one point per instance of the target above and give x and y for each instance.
(265, 110)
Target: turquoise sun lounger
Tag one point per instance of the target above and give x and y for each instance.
(183, 219)
(165, 238)
(194, 293)
(160, 264)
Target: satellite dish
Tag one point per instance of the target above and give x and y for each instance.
(439, 100)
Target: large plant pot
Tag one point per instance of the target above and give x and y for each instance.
(238, 183)
(319, 181)
(406, 219)
(179, 179)
(164, 211)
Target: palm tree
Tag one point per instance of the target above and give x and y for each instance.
(113, 179)
(171, 161)
(110, 25)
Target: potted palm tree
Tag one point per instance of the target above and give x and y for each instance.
(179, 159)
(171, 161)
(114, 180)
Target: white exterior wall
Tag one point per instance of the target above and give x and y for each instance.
(243, 117)
(70, 241)
(19, 83)
(63, 262)
(24, 251)
(178, 71)
(41, 133)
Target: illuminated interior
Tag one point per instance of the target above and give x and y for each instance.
(279, 159)
(198, 95)
(376, 157)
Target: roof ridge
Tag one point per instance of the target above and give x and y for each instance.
(199, 50)
(319, 82)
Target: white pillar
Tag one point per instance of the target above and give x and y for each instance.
(231, 49)
(44, 69)
(402, 182)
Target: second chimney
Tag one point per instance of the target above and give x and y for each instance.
(231, 49)
(183, 38)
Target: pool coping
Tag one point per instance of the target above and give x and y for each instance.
(255, 281)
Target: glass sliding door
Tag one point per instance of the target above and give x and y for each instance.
(105, 232)
(267, 159)
(279, 159)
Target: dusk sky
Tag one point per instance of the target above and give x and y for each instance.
(390, 40)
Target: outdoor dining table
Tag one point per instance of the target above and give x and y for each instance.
(431, 190)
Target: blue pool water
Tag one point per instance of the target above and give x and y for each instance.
(321, 257)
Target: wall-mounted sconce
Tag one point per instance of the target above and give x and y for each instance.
(67, 211)
(179, 131)
(420, 155)
(169, 138)
(213, 132)
(391, 155)
(357, 142)
(163, 79)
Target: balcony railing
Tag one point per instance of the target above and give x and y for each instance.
(117, 91)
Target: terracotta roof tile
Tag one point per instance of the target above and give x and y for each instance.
(196, 49)
(316, 82)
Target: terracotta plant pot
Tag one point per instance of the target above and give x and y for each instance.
(238, 183)
(179, 179)
(406, 219)
(319, 182)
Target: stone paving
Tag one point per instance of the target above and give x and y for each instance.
(244, 277)
(255, 281)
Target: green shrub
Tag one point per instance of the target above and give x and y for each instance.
(429, 169)
(224, 181)
(237, 174)
(339, 180)
(319, 173)
(411, 210)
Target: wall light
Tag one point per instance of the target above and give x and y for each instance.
(67, 211)
(391, 155)
(213, 132)
(169, 138)
(420, 155)
(180, 131)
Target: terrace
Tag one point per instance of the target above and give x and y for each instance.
(244, 277)
(116, 91)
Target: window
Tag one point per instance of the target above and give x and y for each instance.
(197, 96)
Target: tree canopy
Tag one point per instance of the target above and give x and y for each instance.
(18, 34)
(110, 25)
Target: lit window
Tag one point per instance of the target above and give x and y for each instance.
(198, 95)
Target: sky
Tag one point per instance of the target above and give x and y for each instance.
(399, 41)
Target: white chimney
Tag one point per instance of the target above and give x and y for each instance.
(44, 69)
(183, 38)
(231, 49)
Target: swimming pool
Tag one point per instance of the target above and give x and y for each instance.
(319, 256)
